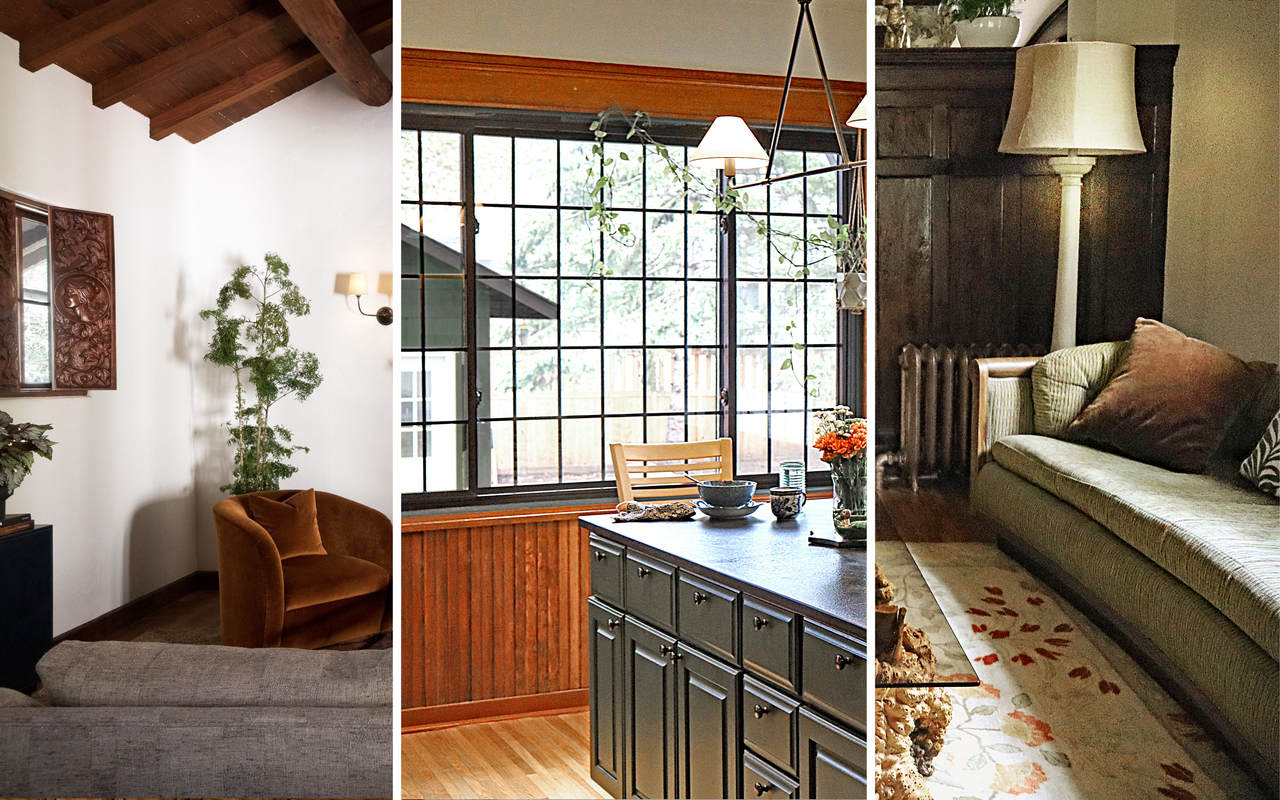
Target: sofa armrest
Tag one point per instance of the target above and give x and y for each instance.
(1001, 404)
(348, 528)
(250, 579)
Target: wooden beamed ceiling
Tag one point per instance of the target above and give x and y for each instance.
(195, 67)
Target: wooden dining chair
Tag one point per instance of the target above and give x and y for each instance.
(646, 471)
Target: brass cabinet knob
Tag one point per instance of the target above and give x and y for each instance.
(599, 556)
(842, 660)
(699, 598)
(642, 571)
(761, 788)
(613, 623)
(760, 710)
(759, 622)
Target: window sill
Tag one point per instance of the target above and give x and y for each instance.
(44, 393)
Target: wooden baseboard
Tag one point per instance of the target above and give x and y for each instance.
(1148, 656)
(106, 625)
(413, 720)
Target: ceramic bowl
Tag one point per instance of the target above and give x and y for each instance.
(726, 494)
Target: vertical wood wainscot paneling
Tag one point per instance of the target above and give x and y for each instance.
(493, 614)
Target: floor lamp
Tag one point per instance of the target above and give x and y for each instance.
(1072, 101)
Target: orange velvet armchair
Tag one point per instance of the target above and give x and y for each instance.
(307, 601)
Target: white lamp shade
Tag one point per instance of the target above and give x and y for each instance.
(858, 119)
(1073, 96)
(729, 138)
(357, 284)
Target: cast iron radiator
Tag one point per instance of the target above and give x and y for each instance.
(936, 398)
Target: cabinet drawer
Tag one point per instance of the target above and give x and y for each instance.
(835, 670)
(833, 761)
(649, 585)
(761, 779)
(769, 723)
(769, 642)
(707, 615)
(607, 562)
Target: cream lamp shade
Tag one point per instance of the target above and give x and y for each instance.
(858, 119)
(1073, 98)
(357, 284)
(729, 145)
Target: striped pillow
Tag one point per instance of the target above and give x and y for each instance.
(1263, 464)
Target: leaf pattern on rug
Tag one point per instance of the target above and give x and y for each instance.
(1052, 719)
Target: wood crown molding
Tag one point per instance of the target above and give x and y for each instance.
(442, 77)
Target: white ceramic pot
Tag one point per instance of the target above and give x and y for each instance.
(987, 31)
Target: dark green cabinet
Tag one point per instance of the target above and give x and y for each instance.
(604, 627)
(832, 759)
(649, 709)
(26, 597)
(709, 726)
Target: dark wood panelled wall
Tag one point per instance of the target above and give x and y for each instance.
(494, 615)
(967, 238)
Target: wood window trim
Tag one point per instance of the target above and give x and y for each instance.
(87, 273)
(443, 77)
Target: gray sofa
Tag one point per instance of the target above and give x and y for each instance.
(1188, 562)
(131, 719)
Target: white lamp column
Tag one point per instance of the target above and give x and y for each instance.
(1072, 101)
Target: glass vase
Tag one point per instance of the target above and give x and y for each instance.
(849, 486)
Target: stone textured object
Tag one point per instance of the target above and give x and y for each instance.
(631, 511)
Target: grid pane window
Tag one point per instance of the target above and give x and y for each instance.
(575, 340)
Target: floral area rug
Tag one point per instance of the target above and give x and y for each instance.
(1062, 712)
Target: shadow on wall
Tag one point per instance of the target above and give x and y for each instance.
(152, 530)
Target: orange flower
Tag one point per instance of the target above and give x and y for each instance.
(1027, 728)
(1023, 777)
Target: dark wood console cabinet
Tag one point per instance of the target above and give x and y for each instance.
(26, 605)
(727, 660)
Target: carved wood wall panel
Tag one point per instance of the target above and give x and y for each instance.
(967, 238)
(10, 281)
(82, 255)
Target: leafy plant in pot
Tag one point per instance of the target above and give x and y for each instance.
(982, 23)
(256, 347)
(20, 443)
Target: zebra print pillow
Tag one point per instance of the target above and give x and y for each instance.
(1263, 464)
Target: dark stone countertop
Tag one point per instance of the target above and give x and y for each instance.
(771, 559)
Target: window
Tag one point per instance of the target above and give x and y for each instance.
(57, 299)
(521, 361)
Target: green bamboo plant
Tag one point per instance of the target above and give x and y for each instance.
(255, 346)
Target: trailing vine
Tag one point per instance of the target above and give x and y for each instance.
(837, 241)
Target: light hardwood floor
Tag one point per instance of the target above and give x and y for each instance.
(535, 757)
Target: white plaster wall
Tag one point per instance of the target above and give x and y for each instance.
(1222, 268)
(119, 489)
(752, 36)
(135, 472)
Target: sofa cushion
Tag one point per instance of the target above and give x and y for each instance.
(1169, 402)
(1065, 381)
(156, 674)
(1262, 467)
(1221, 540)
(290, 522)
(13, 699)
(312, 580)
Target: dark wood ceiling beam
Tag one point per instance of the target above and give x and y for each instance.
(83, 30)
(188, 54)
(328, 29)
(373, 25)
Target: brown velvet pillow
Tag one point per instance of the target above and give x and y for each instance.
(290, 523)
(1169, 402)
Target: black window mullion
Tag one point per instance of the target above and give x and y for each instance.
(469, 300)
(727, 259)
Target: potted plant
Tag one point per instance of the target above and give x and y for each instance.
(842, 440)
(982, 23)
(256, 348)
(20, 443)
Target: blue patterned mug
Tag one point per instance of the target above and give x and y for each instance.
(786, 501)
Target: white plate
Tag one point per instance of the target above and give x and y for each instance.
(726, 512)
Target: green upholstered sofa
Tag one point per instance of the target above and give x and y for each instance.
(1183, 569)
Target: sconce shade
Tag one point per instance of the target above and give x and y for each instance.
(1073, 96)
(729, 139)
(858, 119)
(357, 284)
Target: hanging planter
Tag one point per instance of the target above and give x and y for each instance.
(982, 23)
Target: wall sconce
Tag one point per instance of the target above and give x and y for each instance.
(358, 285)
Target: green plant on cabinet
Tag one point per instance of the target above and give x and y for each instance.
(974, 9)
(20, 443)
(256, 347)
